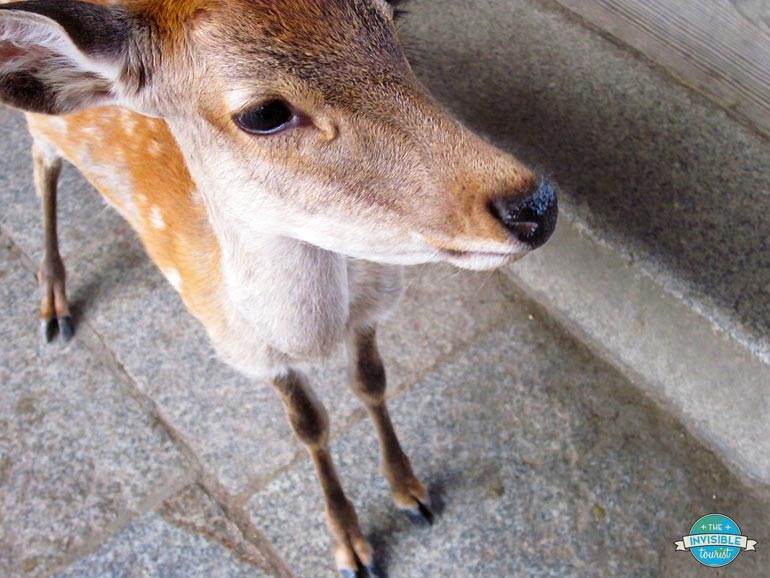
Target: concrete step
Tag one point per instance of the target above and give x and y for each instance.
(662, 259)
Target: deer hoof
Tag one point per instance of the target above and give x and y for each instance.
(374, 571)
(420, 515)
(47, 330)
(370, 571)
(66, 328)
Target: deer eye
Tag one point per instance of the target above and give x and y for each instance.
(267, 118)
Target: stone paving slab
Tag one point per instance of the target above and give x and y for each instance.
(78, 455)
(116, 290)
(548, 463)
(188, 538)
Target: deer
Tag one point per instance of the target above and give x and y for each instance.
(281, 163)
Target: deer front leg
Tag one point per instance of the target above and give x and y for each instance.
(54, 307)
(310, 423)
(366, 375)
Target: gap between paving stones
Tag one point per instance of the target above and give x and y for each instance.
(248, 532)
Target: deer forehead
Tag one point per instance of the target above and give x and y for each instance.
(304, 23)
(269, 40)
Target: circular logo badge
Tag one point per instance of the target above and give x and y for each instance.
(720, 548)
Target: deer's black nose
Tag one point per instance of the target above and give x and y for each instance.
(530, 219)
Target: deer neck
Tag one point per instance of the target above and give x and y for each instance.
(290, 294)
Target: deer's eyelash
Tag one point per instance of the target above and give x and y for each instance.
(396, 5)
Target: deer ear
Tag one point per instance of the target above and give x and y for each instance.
(58, 56)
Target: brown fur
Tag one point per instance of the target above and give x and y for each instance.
(51, 275)
(310, 423)
(366, 376)
(94, 139)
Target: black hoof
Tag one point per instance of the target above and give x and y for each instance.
(66, 328)
(374, 571)
(347, 573)
(421, 515)
(47, 330)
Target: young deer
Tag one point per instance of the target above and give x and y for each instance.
(279, 160)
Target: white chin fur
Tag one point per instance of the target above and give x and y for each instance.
(481, 261)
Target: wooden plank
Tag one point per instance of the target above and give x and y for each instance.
(720, 47)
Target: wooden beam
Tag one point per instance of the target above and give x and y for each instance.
(719, 47)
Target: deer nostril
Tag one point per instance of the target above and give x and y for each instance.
(531, 219)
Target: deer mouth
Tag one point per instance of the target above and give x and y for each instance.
(479, 260)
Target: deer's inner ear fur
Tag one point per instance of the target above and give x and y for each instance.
(58, 56)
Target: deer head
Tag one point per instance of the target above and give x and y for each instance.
(297, 118)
